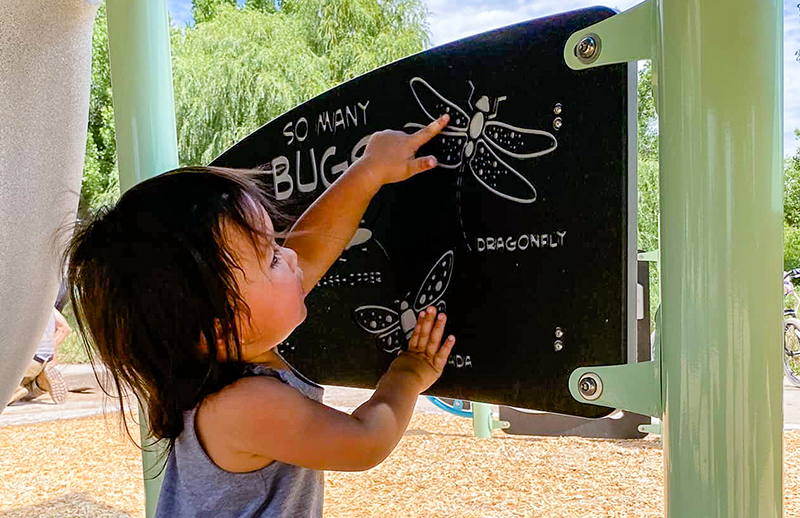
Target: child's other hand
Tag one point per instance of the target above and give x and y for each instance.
(427, 354)
(390, 155)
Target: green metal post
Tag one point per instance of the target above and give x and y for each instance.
(141, 78)
(144, 116)
(719, 81)
(481, 419)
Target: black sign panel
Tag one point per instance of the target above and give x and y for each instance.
(519, 234)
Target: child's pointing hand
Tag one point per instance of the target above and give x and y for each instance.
(390, 155)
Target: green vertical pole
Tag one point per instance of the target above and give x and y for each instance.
(141, 78)
(719, 81)
(144, 117)
(481, 419)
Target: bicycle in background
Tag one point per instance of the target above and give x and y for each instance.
(791, 327)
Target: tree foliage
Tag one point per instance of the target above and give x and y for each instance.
(234, 73)
(791, 194)
(647, 184)
(791, 210)
(100, 178)
(647, 116)
(267, 6)
(648, 179)
(242, 67)
(362, 35)
(205, 10)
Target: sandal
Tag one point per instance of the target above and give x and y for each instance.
(51, 381)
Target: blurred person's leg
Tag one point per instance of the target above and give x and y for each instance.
(27, 388)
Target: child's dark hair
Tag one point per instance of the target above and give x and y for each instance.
(151, 275)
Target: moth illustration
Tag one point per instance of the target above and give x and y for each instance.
(395, 328)
(472, 141)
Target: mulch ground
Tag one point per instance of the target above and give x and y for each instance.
(87, 468)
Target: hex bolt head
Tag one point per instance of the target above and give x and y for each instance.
(588, 49)
(590, 386)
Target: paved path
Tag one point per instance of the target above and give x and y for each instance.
(92, 401)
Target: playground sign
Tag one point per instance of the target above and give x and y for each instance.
(520, 234)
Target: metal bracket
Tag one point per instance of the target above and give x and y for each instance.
(635, 387)
(627, 36)
(651, 257)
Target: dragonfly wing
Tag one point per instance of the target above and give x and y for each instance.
(499, 177)
(375, 319)
(361, 236)
(447, 146)
(435, 283)
(519, 142)
(435, 104)
(390, 342)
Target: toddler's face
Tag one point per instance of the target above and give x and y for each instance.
(272, 288)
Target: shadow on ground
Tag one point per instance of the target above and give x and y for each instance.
(72, 505)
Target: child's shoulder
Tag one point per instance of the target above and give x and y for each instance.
(252, 398)
(243, 390)
(227, 421)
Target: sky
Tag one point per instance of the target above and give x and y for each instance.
(455, 19)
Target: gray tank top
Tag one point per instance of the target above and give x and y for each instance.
(195, 486)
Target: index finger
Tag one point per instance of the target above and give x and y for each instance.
(423, 135)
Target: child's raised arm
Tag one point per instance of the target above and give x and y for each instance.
(259, 419)
(328, 225)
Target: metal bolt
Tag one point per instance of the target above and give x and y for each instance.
(588, 50)
(558, 345)
(557, 123)
(557, 109)
(590, 386)
(559, 332)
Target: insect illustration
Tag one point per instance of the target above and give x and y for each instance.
(393, 328)
(474, 140)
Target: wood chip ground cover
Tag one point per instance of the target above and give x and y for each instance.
(87, 468)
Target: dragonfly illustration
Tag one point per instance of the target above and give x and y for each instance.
(473, 141)
(393, 328)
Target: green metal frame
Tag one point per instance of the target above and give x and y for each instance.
(718, 78)
(482, 421)
(147, 144)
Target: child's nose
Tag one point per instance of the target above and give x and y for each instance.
(291, 257)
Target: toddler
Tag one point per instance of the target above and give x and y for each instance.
(185, 288)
